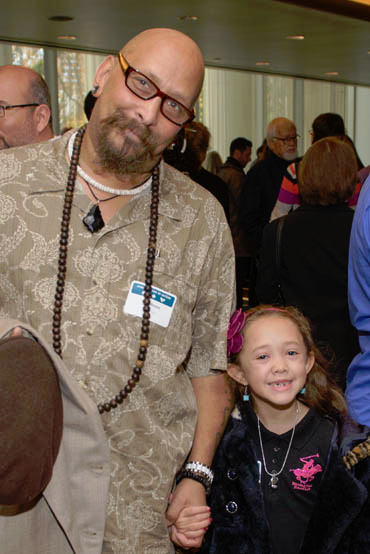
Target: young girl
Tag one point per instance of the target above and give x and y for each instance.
(280, 482)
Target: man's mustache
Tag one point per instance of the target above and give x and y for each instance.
(123, 123)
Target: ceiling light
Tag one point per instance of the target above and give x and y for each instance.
(366, 2)
(295, 37)
(188, 17)
(262, 63)
(61, 18)
(332, 73)
(66, 37)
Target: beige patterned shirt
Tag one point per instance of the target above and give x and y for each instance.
(151, 433)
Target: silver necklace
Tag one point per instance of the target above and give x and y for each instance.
(100, 186)
(274, 474)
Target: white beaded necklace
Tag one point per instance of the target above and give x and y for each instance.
(104, 188)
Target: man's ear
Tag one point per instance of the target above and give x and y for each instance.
(41, 118)
(102, 73)
(236, 373)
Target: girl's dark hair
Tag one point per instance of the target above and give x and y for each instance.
(322, 393)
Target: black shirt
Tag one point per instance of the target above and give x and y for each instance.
(289, 506)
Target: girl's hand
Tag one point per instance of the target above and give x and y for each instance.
(189, 528)
(188, 515)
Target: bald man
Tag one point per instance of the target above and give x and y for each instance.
(262, 182)
(25, 113)
(80, 262)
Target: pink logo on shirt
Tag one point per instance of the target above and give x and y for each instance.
(306, 474)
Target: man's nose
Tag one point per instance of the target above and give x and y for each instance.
(150, 110)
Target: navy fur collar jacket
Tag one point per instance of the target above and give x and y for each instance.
(340, 523)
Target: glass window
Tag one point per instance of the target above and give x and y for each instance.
(28, 56)
(321, 97)
(279, 97)
(227, 106)
(18, 54)
(76, 72)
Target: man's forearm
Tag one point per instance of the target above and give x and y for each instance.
(215, 401)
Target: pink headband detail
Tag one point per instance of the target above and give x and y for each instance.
(234, 335)
(234, 332)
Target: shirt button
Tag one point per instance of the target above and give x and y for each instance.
(231, 474)
(97, 468)
(276, 449)
(274, 460)
(231, 507)
(89, 332)
(95, 282)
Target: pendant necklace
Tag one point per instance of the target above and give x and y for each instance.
(143, 340)
(275, 474)
(93, 219)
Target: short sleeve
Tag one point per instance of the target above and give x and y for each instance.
(215, 303)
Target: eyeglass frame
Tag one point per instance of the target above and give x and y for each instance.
(287, 139)
(10, 107)
(129, 69)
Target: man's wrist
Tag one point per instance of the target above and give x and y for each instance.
(198, 472)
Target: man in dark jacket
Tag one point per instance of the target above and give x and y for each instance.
(262, 182)
(232, 172)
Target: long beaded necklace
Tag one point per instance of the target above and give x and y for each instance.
(274, 474)
(62, 268)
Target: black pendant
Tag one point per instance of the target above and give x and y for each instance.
(93, 219)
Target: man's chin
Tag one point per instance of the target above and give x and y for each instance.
(290, 156)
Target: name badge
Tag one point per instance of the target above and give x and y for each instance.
(162, 303)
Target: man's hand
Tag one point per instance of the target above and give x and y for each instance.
(188, 515)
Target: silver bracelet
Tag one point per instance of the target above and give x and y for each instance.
(200, 468)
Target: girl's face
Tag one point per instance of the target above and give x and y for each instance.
(274, 361)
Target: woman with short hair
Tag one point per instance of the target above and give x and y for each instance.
(314, 248)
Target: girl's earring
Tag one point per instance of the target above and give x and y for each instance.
(246, 395)
(303, 390)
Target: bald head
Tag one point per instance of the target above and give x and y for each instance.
(281, 135)
(136, 117)
(172, 46)
(28, 124)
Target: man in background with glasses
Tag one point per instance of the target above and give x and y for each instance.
(25, 110)
(262, 182)
(103, 239)
(261, 188)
